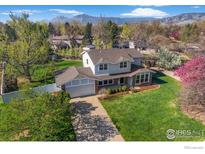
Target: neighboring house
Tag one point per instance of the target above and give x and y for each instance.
(62, 42)
(104, 68)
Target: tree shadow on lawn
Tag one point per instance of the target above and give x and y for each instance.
(156, 78)
(89, 127)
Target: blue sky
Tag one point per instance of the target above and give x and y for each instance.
(43, 12)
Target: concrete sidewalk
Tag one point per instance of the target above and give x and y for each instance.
(91, 121)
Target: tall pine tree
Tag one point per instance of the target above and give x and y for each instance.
(87, 40)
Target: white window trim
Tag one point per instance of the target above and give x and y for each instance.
(139, 79)
(104, 82)
(84, 83)
(140, 75)
(71, 85)
(101, 84)
(123, 63)
(148, 73)
(103, 67)
(108, 84)
(112, 82)
(121, 83)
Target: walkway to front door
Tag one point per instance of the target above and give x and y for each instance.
(91, 121)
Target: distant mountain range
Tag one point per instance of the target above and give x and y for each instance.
(184, 18)
(178, 19)
(84, 18)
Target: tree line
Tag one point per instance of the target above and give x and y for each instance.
(24, 43)
(109, 34)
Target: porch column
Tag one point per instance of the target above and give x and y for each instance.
(131, 81)
(149, 77)
(140, 78)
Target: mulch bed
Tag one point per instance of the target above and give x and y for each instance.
(196, 112)
(142, 89)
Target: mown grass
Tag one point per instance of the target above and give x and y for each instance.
(1, 101)
(146, 116)
(44, 74)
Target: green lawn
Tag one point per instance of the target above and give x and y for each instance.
(1, 101)
(44, 73)
(146, 116)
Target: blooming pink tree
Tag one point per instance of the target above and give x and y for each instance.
(192, 75)
(175, 35)
(192, 72)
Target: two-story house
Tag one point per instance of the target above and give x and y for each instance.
(104, 68)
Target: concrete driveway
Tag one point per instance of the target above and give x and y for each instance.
(91, 121)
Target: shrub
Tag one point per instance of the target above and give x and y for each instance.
(124, 88)
(109, 91)
(103, 91)
(120, 89)
(114, 90)
(37, 117)
(168, 59)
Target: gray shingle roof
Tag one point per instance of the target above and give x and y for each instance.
(113, 55)
(71, 73)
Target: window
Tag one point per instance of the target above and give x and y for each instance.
(103, 67)
(87, 61)
(78, 82)
(69, 84)
(147, 77)
(137, 79)
(142, 78)
(91, 81)
(100, 83)
(75, 82)
(121, 80)
(84, 81)
(105, 82)
(123, 64)
(110, 81)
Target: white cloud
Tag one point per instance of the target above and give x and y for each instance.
(146, 12)
(20, 12)
(195, 7)
(70, 12)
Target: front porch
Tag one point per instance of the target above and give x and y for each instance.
(144, 78)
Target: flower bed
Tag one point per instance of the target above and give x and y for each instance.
(124, 90)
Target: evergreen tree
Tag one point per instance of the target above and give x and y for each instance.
(114, 32)
(87, 40)
(51, 29)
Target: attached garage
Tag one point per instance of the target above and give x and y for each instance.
(80, 87)
(76, 81)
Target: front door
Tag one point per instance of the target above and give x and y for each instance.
(121, 81)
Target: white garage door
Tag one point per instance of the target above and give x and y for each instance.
(80, 87)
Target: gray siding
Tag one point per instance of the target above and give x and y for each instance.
(137, 61)
(113, 69)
